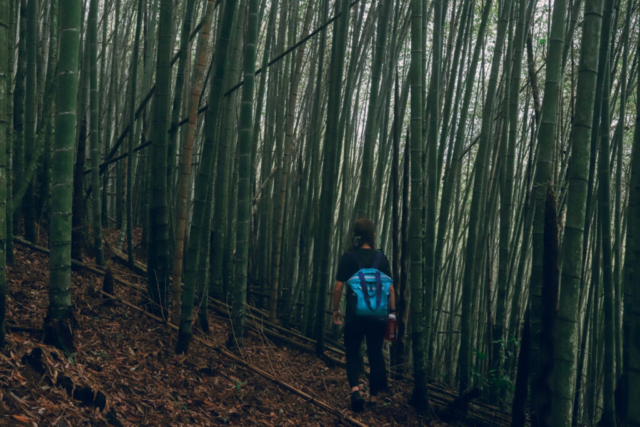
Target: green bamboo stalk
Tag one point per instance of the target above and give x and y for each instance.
(455, 165)
(148, 73)
(30, 120)
(597, 113)
(420, 394)
(261, 89)
(9, 144)
(5, 82)
(95, 132)
(112, 102)
(429, 278)
(42, 42)
(228, 268)
(18, 108)
(473, 261)
(204, 176)
(176, 108)
(158, 249)
(222, 224)
(279, 133)
(514, 87)
(592, 390)
(312, 298)
(506, 190)
(245, 166)
(365, 198)
(120, 166)
(544, 174)
(446, 192)
(58, 322)
(187, 156)
(604, 214)
(281, 196)
(578, 416)
(631, 322)
(617, 272)
(325, 216)
(221, 227)
(80, 229)
(566, 324)
(133, 80)
(45, 126)
(101, 123)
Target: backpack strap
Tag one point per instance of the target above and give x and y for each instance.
(356, 259)
(378, 288)
(365, 293)
(376, 262)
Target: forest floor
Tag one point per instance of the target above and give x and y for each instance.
(125, 370)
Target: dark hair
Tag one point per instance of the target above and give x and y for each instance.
(364, 232)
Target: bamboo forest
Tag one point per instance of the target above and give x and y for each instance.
(179, 184)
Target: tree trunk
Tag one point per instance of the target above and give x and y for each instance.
(18, 109)
(544, 174)
(30, 120)
(604, 214)
(631, 326)
(365, 197)
(202, 187)
(550, 288)
(58, 325)
(244, 168)
(420, 398)
(181, 209)
(10, 134)
(439, 14)
(5, 81)
(158, 249)
(95, 132)
(133, 133)
(325, 216)
(567, 327)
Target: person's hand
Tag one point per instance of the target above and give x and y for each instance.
(337, 318)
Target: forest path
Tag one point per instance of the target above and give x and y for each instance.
(129, 357)
(258, 325)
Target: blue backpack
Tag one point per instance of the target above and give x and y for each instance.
(371, 289)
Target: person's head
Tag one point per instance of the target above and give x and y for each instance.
(364, 232)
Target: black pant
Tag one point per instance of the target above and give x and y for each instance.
(355, 330)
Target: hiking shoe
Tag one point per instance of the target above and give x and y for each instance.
(371, 406)
(357, 402)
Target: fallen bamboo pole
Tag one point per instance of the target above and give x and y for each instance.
(260, 329)
(247, 365)
(264, 322)
(253, 320)
(141, 268)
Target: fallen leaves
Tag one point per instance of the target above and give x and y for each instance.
(130, 358)
(22, 418)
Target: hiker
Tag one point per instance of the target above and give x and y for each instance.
(370, 300)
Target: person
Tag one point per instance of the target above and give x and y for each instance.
(362, 254)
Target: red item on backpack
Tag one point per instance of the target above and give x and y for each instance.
(392, 328)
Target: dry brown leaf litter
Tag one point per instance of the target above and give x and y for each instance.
(129, 357)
